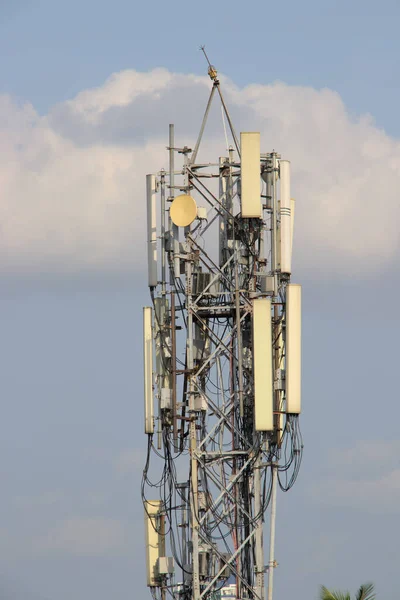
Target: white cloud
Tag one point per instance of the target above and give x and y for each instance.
(72, 182)
(64, 206)
(120, 89)
(365, 477)
(85, 536)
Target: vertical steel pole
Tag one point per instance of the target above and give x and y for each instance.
(271, 564)
(173, 228)
(163, 233)
(274, 249)
(193, 492)
(173, 371)
(222, 219)
(184, 526)
(259, 554)
(239, 337)
(162, 549)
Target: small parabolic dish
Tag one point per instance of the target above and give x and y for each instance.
(183, 210)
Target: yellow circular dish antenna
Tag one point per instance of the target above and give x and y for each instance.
(183, 210)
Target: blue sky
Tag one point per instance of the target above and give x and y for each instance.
(54, 49)
(79, 127)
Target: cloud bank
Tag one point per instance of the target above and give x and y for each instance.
(72, 181)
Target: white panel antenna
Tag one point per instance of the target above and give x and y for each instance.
(251, 175)
(152, 508)
(292, 213)
(151, 230)
(148, 370)
(262, 365)
(293, 348)
(286, 225)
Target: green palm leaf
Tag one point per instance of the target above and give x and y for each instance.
(366, 592)
(326, 594)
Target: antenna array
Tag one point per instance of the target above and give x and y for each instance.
(221, 365)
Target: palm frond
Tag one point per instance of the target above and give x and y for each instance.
(366, 592)
(326, 594)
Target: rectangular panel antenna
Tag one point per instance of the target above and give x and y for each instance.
(292, 211)
(293, 348)
(148, 369)
(151, 510)
(286, 225)
(251, 177)
(262, 365)
(151, 230)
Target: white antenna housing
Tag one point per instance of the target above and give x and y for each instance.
(151, 230)
(148, 369)
(292, 212)
(250, 173)
(293, 348)
(262, 365)
(286, 225)
(152, 508)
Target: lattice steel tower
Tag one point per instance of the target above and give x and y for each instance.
(222, 366)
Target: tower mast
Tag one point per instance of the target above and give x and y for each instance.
(224, 329)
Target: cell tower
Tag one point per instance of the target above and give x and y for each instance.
(222, 366)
